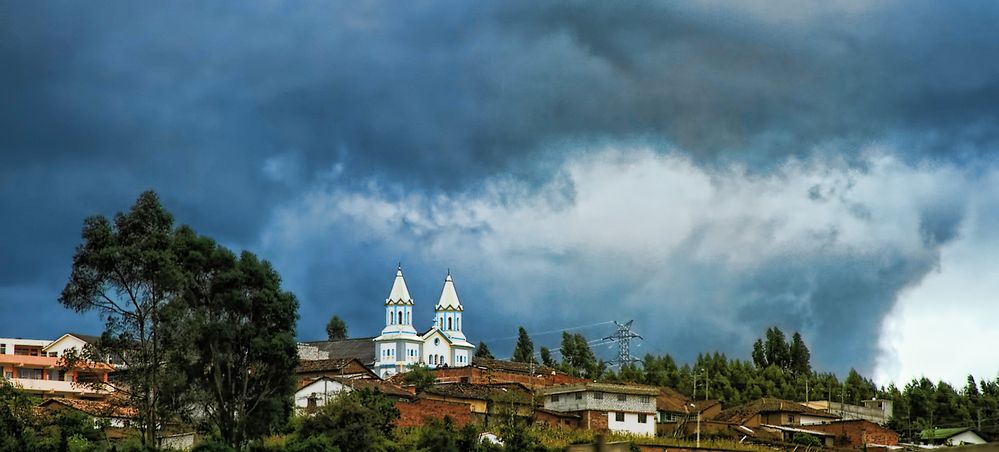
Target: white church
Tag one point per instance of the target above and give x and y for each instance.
(400, 346)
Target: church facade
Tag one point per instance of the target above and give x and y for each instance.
(400, 346)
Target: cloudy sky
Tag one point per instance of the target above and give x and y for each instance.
(705, 168)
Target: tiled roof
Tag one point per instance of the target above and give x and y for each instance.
(358, 383)
(610, 388)
(742, 413)
(517, 391)
(94, 408)
(671, 400)
(511, 366)
(942, 433)
(323, 365)
(362, 348)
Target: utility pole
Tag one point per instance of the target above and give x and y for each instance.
(623, 337)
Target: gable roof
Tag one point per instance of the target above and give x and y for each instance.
(517, 391)
(87, 338)
(329, 365)
(359, 383)
(511, 366)
(362, 348)
(743, 413)
(93, 407)
(943, 433)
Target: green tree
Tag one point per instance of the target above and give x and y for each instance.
(759, 355)
(482, 351)
(577, 357)
(546, 357)
(523, 352)
(15, 417)
(442, 435)
(360, 420)
(336, 329)
(125, 271)
(419, 376)
(776, 348)
(800, 356)
(232, 333)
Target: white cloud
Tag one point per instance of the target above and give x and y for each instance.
(638, 234)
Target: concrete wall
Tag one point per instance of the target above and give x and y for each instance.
(601, 401)
(631, 423)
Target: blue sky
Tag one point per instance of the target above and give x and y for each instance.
(707, 169)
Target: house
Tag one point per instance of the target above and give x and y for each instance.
(36, 367)
(103, 411)
(957, 436)
(605, 406)
(486, 402)
(489, 371)
(315, 392)
(334, 367)
(875, 410)
(679, 416)
(771, 411)
(399, 346)
(858, 434)
(361, 348)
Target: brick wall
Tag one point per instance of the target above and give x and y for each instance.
(857, 433)
(415, 413)
(594, 420)
(475, 375)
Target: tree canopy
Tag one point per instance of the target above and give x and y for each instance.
(336, 329)
(523, 352)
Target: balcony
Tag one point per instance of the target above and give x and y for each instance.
(64, 387)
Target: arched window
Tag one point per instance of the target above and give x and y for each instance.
(433, 359)
(440, 359)
(449, 323)
(458, 321)
(392, 317)
(407, 317)
(400, 317)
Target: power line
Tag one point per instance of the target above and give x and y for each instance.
(549, 331)
(623, 337)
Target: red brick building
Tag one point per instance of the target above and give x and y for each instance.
(858, 433)
(415, 412)
(491, 371)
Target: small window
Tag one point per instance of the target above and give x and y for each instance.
(554, 397)
(579, 396)
(646, 399)
(619, 416)
(642, 418)
(313, 401)
(3, 349)
(53, 354)
(790, 419)
(622, 398)
(598, 395)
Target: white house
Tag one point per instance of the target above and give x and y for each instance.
(399, 346)
(616, 407)
(315, 392)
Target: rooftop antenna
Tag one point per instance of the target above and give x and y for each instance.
(623, 337)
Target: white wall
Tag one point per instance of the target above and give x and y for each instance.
(66, 343)
(631, 424)
(442, 349)
(322, 389)
(968, 437)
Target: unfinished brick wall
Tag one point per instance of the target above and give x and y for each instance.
(479, 376)
(594, 420)
(415, 413)
(857, 433)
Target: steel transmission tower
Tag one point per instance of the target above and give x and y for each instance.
(623, 337)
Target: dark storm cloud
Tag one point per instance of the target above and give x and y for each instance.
(229, 110)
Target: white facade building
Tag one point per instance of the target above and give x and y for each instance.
(399, 346)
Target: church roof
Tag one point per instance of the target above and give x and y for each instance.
(449, 297)
(399, 292)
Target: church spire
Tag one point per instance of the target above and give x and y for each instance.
(449, 296)
(399, 293)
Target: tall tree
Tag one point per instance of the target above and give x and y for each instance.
(336, 329)
(125, 270)
(759, 355)
(577, 357)
(546, 357)
(482, 351)
(800, 356)
(776, 348)
(233, 332)
(523, 352)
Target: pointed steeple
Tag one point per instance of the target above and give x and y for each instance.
(399, 293)
(449, 297)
